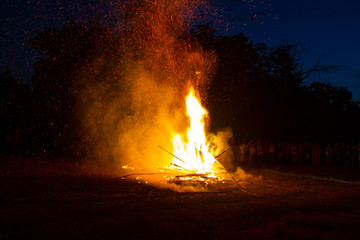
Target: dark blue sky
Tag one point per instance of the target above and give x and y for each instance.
(21, 20)
(327, 28)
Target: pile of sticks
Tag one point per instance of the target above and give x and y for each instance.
(195, 178)
(205, 175)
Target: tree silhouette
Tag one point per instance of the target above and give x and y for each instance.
(15, 114)
(336, 113)
(57, 85)
(260, 92)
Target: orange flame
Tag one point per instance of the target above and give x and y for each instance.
(194, 155)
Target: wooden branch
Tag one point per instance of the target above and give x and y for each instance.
(232, 176)
(171, 154)
(223, 152)
(180, 167)
(136, 174)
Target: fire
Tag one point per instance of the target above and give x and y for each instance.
(193, 154)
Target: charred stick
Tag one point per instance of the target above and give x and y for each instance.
(135, 174)
(171, 154)
(232, 176)
(193, 175)
(236, 182)
(179, 166)
(223, 152)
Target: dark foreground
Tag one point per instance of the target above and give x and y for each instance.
(287, 207)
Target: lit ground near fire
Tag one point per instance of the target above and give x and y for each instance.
(293, 203)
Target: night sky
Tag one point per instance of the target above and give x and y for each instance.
(326, 28)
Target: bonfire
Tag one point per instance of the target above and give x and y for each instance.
(192, 158)
(171, 67)
(193, 162)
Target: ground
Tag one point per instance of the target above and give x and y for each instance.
(290, 203)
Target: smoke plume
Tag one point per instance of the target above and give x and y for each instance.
(141, 103)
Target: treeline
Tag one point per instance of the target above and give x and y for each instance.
(261, 92)
(257, 90)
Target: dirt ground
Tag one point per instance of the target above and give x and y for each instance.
(291, 203)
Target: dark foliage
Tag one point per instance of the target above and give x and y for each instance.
(57, 83)
(260, 93)
(16, 125)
